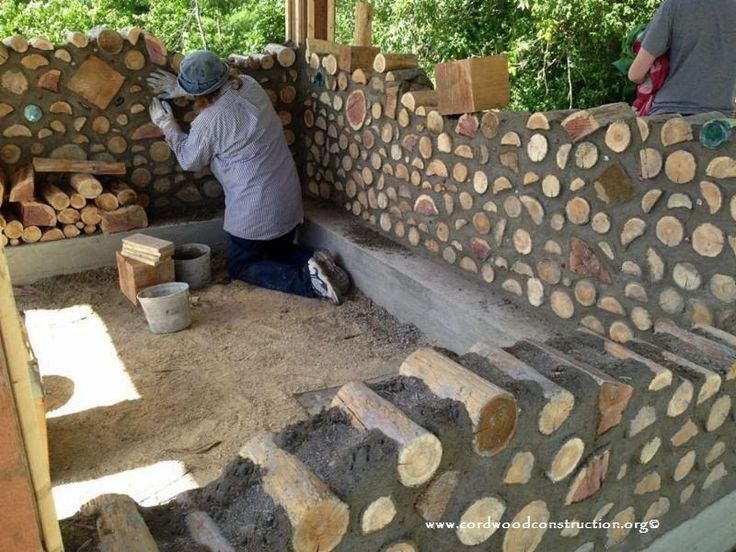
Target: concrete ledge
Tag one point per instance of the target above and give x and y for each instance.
(712, 530)
(30, 263)
(450, 309)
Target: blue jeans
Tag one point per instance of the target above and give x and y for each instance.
(277, 264)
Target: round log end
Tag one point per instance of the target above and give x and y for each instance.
(555, 412)
(496, 425)
(419, 460)
(323, 527)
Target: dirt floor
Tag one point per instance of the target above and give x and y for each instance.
(206, 390)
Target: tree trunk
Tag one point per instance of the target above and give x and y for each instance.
(425, 98)
(661, 376)
(205, 531)
(45, 164)
(583, 123)
(107, 201)
(90, 215)
(31, 234)
(52, 234)
(363, 24)
(32, 213)
(284, 55)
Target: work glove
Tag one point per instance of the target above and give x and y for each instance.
(165, 85)
(161, 114)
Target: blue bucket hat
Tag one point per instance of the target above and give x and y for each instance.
(202, 72)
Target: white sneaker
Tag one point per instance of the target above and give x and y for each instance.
(338, 275)
(322, 284)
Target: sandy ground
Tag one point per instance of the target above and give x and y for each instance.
(204, 391)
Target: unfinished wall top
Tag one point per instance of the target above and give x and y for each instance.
(607, 219)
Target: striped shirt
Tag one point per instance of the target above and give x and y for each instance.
(241, 139)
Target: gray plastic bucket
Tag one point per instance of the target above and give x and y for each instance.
(192, 264)
(166, 307)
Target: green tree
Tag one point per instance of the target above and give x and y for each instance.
(227, 25)
(560, 51)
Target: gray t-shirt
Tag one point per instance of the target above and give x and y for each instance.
(700, 36)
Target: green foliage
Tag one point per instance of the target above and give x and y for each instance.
(560, 51)
(228, 26)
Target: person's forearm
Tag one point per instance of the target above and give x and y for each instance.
(640, 68)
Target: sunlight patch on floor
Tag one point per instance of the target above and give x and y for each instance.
(74, 343)
(148, 486)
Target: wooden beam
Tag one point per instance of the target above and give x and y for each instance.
(289, 20)
(363, 24)
(331, 20)
(46, 164)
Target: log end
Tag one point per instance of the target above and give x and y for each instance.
(323, 527)
(419, 460)
(662, 380)
(555, 412)
(496, 425)
(613, 399)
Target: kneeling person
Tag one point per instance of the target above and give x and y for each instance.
(238, 135)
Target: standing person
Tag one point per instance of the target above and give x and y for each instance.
(700, 36)
(238, 135)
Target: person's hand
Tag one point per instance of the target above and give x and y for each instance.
(161, 114)
(165, 85)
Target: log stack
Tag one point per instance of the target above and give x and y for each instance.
(54, 199)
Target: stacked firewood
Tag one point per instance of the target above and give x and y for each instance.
(69, 200)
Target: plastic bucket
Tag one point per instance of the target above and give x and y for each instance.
(192, 264)
(166, 307)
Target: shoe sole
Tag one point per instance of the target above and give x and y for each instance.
(337, 274)
(334, 294)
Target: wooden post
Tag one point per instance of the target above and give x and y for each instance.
(363, 24)
(321, 19)
(20, 529)
(289, 20)
(17, 367)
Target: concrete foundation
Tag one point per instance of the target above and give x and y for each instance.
(713, 530)
(453, 311)
(30, 263)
